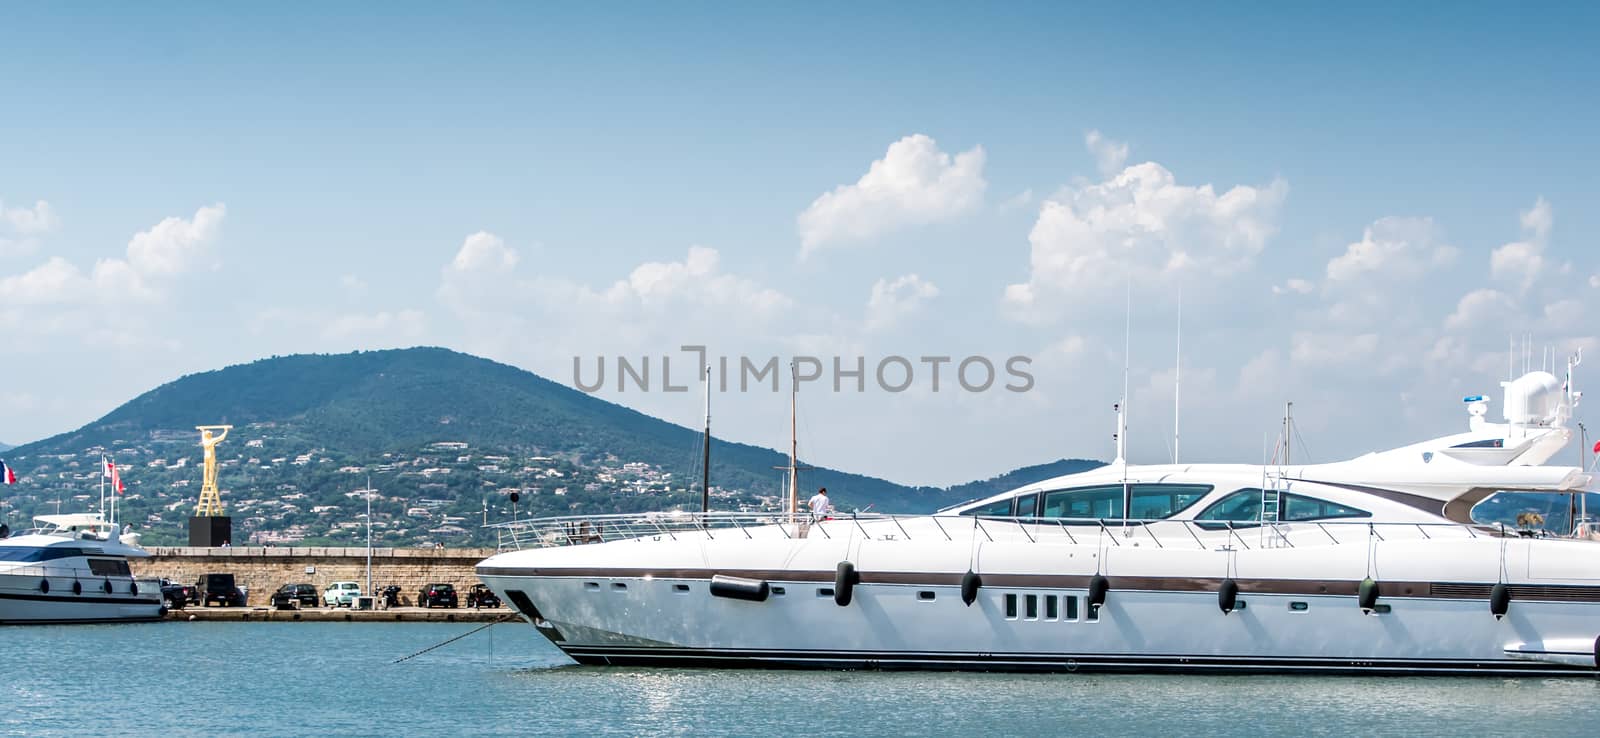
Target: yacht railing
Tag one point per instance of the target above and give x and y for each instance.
(1188, 534)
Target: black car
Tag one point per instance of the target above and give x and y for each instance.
(438, 595)
(481, 596)
(219, 588)
(295, 596)
(177, 596)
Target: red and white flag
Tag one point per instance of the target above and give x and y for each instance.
(7, 474)
(116, 479)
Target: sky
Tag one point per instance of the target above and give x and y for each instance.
(1350, 208)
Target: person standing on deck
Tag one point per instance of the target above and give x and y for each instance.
(820, 506)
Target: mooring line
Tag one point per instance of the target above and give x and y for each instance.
(502, 619)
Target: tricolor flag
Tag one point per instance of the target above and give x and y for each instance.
(116, 480)
(7, 474)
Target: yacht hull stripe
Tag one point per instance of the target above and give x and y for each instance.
(78, 598)
(1144, 663)
(1433, 590)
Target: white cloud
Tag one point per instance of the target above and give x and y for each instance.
(892, 301)
(914, 183)
(1479, 308)
(97, 305)
(484, 251)
(697, 279)
(1294, 285)
(1594, 281)
(175, 245)
(1109, 155)
(53, 282)
(29, 221)
(20, 227)
(402, 324)
(1141, 224)
(1392, 248)
(1520, 262)
(1537, 220)
(1331, 349)
(1563, 315)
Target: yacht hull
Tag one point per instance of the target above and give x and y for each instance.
(22, 602)
(627, 603)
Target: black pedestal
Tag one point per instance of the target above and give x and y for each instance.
(213, 530)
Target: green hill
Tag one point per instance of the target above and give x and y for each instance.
(444, 436)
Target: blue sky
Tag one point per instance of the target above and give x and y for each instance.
(325, 172)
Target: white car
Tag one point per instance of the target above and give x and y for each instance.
(341, 594)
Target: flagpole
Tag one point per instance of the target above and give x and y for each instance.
(102, 484)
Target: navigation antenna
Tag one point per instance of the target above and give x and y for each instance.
(1177, 380)
(705, 459)
(1122, 406)
(794, 466)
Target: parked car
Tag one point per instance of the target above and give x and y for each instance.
(295, 596)
(438, 595)
(220, 588)
(341, 594)
(481, 596)
(178, 596)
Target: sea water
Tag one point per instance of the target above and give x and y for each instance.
(212, 678)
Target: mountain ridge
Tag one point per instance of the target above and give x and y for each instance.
(431, 426)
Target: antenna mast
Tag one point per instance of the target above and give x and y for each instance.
(705, 460)
(1177, 381)
(1288, 422)
(1122, 407)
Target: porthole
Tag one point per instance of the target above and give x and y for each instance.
(1299, 606)
(1011, 607)
(778, 592)
(1381, 609)
(680, 588)
(619, 586)
(592, 586)
(825, 592)
(926, 595)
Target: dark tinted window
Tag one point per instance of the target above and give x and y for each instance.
(1296, 507)
(15, 553)
(997, 509)
(1028, 505)
(1158, 501)
(109, 567)
(1244, 506)
(1147, 501)
(1084, 502)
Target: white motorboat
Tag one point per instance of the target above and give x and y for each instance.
(1372, 565)
(74, 569)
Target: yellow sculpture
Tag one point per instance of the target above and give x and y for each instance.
(210, 501)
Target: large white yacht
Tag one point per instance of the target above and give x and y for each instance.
(1371, 565)
(74, 569)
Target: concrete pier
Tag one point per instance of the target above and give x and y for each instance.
(338, 615)
(262, 570)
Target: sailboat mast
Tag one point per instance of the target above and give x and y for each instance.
(705, 461)
(1177, 382)
(1288, 422)
(794, 441)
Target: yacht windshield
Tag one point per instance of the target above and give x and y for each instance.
(40, 553)
(1143, 501)
(1244, 506)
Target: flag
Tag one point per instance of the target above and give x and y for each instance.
(116, 479)
(6, 474)
(1597, 447)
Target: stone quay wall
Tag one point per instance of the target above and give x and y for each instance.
(262, 570)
